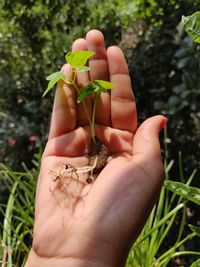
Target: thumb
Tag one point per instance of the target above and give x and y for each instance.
(146, 140)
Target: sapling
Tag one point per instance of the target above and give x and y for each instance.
(78, 63)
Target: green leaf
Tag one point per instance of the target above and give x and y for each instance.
(78, 58)
(55, 75)
(187, 192)
(196, 263)
(82, 69)
(101, 86)
(86, 91)
(94, 89)
(53, 79)
(192, 26)
(104, 85)
(195, 229)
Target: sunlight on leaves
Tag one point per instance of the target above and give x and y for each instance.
(188, 192)
(192, 26)
(78, 58)
(103, 85)
(195, 229)
(82, 69)
(85, 91)
(53, 79)
(94, 89)
(196, 263)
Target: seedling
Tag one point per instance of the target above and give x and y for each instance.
(78, 61)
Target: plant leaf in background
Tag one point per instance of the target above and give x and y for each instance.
(192, 26)
(53, 79)
(195, 229)
(196, 263)
(187, 192)
(78, 58)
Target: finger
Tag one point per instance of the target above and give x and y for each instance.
(82, 80)
(123, 107)
(63, 118)
(99, 71)
(147, 155)
(146, 140)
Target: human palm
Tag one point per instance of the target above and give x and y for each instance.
(96, 222)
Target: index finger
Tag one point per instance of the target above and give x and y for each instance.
(63, 118)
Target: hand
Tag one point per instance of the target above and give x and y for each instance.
(81, 224)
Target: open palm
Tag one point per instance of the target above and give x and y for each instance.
(96, 223)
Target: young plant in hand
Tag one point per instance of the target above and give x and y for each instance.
(78, 63)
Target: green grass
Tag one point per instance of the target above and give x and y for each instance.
(150, 249)
(18, 214)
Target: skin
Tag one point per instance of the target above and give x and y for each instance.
(80, 224)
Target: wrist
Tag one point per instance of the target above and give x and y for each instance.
(37, 261)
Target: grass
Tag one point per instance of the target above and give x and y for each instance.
(150, 249)
(17, 214)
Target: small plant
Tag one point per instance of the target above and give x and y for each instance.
(78, 61)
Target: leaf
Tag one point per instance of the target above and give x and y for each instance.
(78, 58)
(82, 69)
(187, 192)
(86, 91)
(196, 263)
(192, 26)
(104, 85)
(195, 229)
(100, 87)
(53, 79)
(55, 75)
(94, 89)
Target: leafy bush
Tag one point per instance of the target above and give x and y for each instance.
(165, 70)
(35, 36)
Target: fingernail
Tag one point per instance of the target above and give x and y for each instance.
(163, 123)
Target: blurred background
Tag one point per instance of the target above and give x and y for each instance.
(163, 61)
(164, 64)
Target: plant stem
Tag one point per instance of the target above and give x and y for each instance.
(93, 119)
(169, 252)
(84, 105)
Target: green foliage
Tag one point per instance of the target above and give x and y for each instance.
(34, 37)
(77, 61)
(195, 229)
(78, 58)
(94, 89)
(188, 192)
(16, 227)
(150, 249)
(53, 79)
(164, 64)
(192, 26)
(196, 263)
